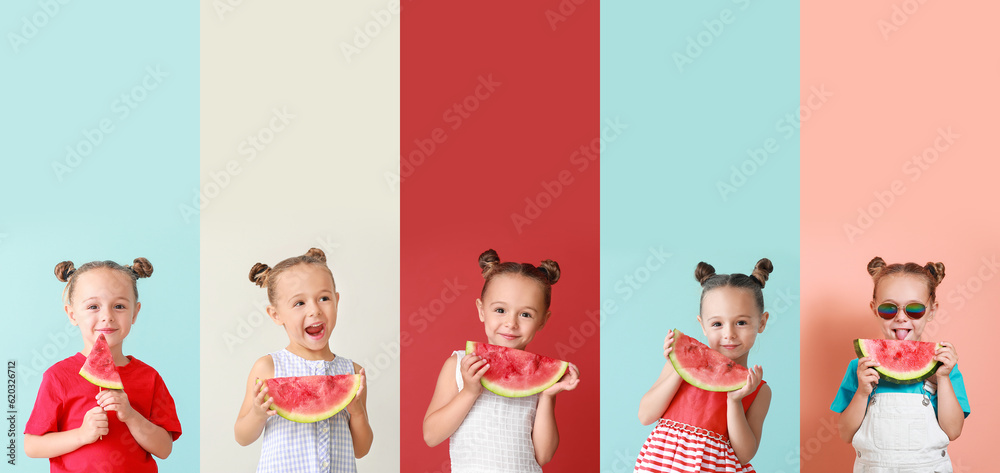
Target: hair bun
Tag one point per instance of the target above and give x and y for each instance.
(703, 272)
(761, 270)
(258, 274)
(936, 270)
(876, 265)
(550, 269)
(141, 267)
(64, 270)
(316, 253)
(489, 259)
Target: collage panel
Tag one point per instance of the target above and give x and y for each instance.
(299, 134)
(100, 149)
(707, 171)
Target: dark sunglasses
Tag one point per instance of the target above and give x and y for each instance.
(888, 310)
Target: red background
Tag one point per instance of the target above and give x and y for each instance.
(458, 200)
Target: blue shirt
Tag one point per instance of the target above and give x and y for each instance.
(850, 385)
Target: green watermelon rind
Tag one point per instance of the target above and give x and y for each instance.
(332, 411)
(470, 347)
(93, 378)
(692, 380)
(910, 377)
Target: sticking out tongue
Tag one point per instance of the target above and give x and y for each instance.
(314, 329)
(901, 333)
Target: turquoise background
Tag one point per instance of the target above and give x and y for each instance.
(119, 202)
(660, 190)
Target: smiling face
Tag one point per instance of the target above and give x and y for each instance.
(512, 310)
(902, 289)
(305, 303)
(103, 301)
(731, 321)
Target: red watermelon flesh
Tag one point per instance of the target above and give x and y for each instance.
(312, 398)
(704, 367)
(516, 373)
(900, 361)
(100, 367)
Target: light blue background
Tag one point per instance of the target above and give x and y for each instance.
(660, 189)
(118, 203)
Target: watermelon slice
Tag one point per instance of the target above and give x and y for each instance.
(312, 398)
(100, 367)
(900, 361)
(704, 367)
(516, 373)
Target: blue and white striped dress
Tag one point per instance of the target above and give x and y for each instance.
(320, 447)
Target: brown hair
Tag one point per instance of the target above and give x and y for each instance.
(705, 274)
(932, 273)
(266, 276)
(67, 273)
(546, 273)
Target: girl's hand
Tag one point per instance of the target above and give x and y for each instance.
(568, 382)
(753, 380)
(116, 400)
(668, 343)
(473, 369)
(867, 376)
(355, 408)
(948, 357)
(95, 424)
(261, 406)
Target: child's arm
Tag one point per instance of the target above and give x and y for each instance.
(545, 434)
(361, 430)
(951, 418)
(654, 403)
(850, 419)
(151, 437)
(53, 444)
(745, 427)
(255, 410)
(449, 406)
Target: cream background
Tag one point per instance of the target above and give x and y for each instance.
(321, 181)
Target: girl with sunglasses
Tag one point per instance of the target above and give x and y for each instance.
(907, 426)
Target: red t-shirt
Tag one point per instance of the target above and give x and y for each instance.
(64, 397)
(705, 409)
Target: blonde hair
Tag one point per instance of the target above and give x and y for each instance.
(931, 273)
(268, 277)
(67, 273)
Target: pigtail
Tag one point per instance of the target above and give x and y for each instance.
(258, 274)
(936, 271)
(550, 269)
(761, 271)
(141, 267)
(875, 266)
(317, 254)
(488, 260)
(703, 272)
(64, 270)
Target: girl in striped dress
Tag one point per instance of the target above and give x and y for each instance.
(703, 431)
(303, 299)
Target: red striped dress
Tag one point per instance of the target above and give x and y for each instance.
(692, 435)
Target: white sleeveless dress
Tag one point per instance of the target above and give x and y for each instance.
(319, 447)
(495, 436)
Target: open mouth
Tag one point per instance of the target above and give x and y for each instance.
(316, 330)
(901, 333)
